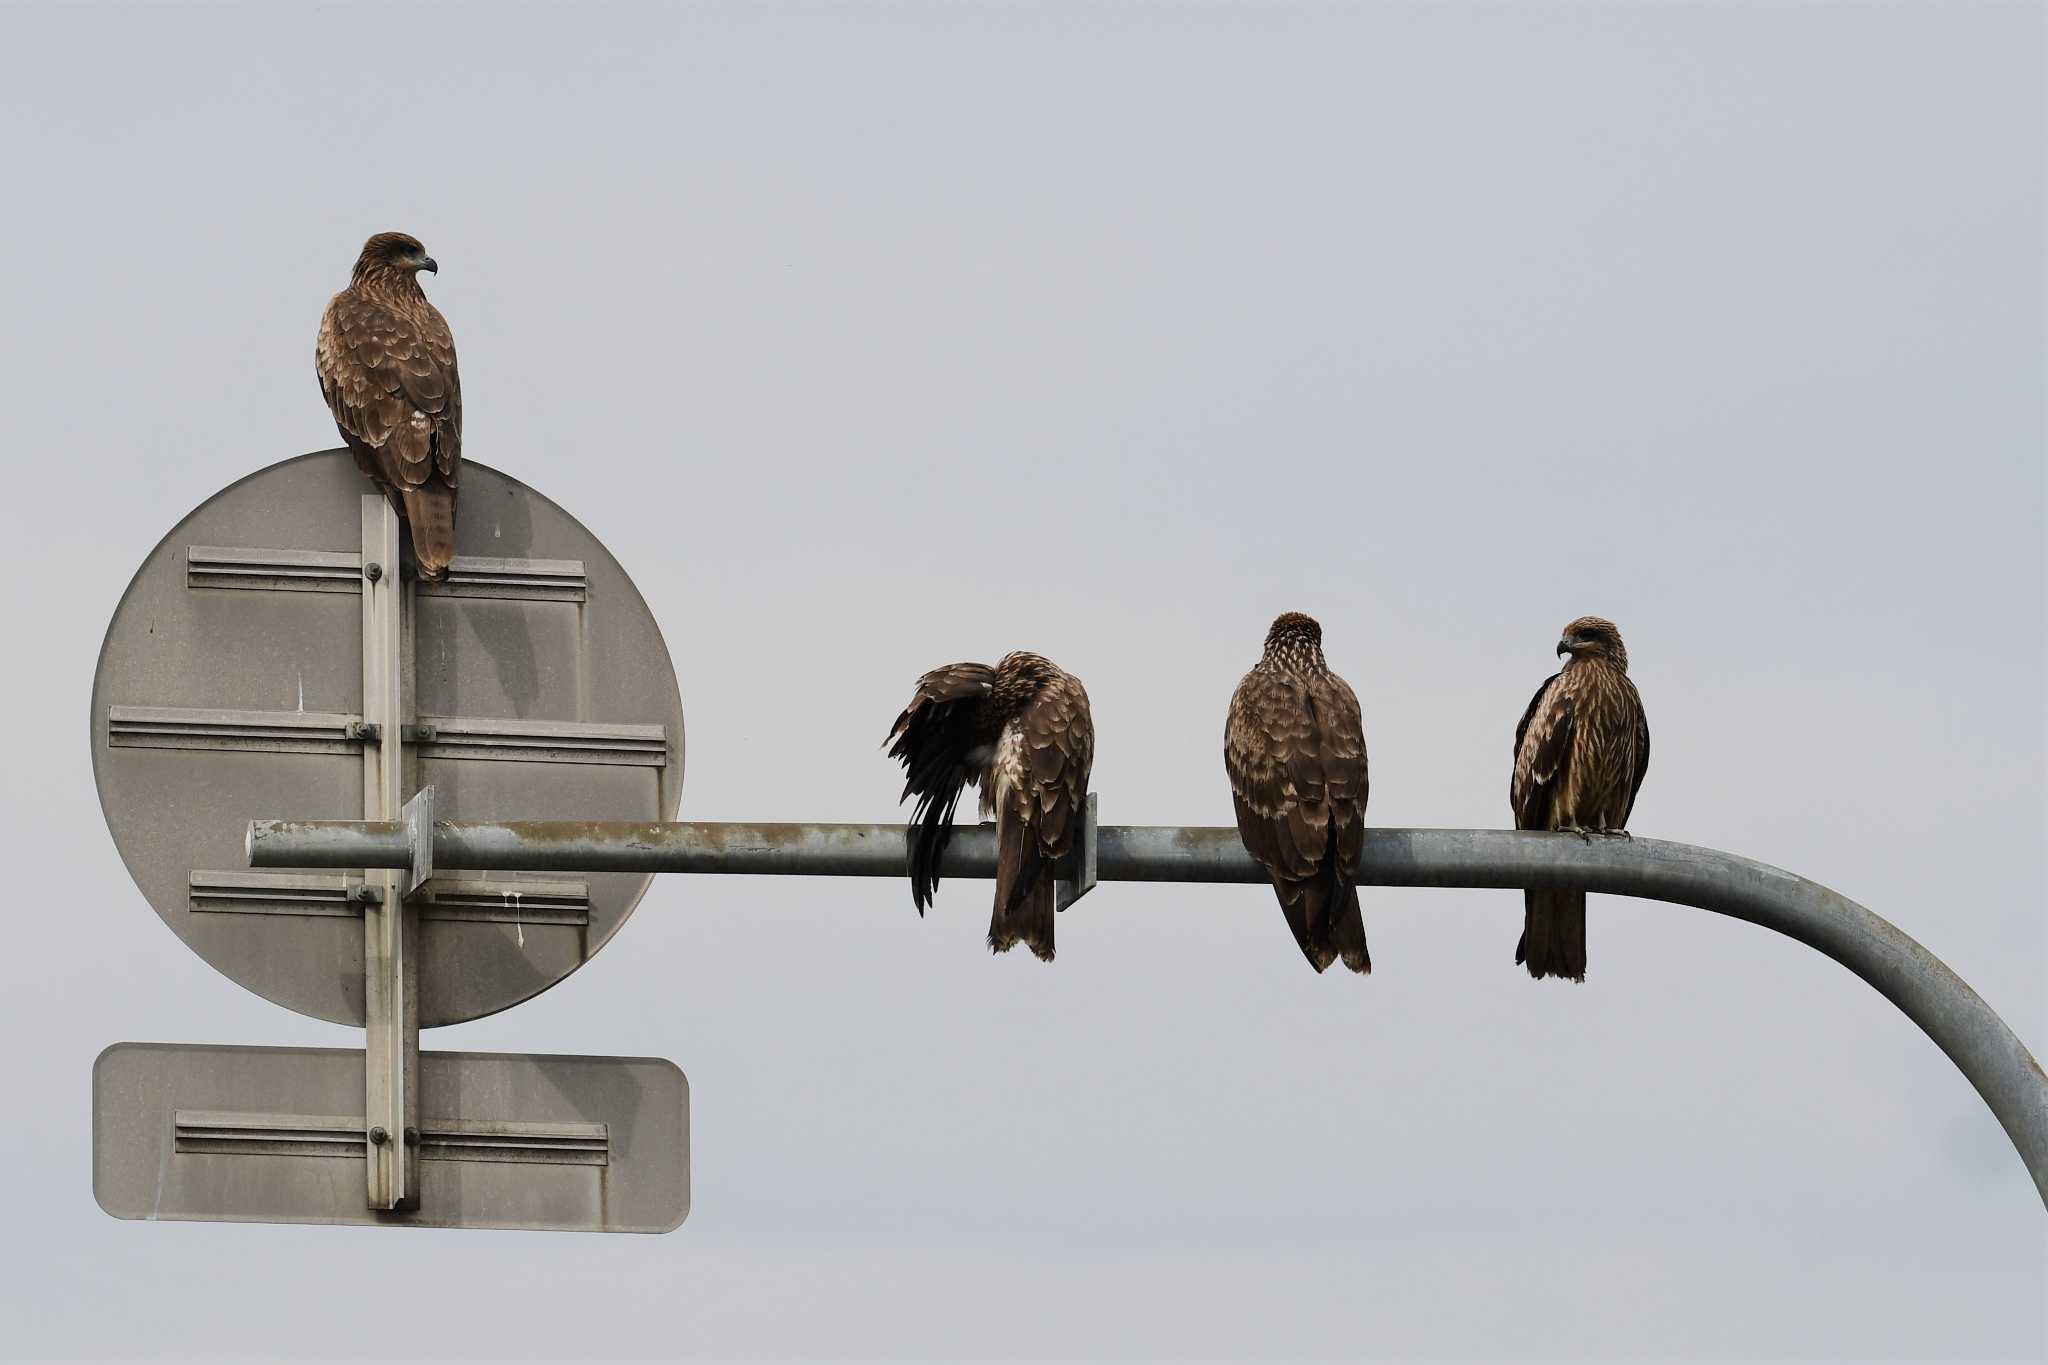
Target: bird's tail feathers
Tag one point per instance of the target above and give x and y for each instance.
(430, 512)
(1324, 915)
(1025, 887)
(1553, 934)
(1347, 930)
(1302, 904)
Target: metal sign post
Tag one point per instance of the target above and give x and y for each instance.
(1955, 1017)
(391, 995)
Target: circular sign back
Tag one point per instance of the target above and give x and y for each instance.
(230, 689)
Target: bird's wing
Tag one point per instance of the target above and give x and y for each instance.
(941, 739)
(1057, 732)
(439, 344)
(389, 383)
(1272, 753)
(1341, 730)
(1543, 742)
(1642, 726)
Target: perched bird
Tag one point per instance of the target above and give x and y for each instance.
(1294, 747)
(1580, 754)
(386, 362)
(1021, 732)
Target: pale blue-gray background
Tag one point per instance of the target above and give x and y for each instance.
(874, 337)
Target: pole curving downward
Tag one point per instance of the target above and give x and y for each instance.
(1980, 1044)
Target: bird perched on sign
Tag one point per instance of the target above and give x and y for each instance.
(1294, 746)
(1580, 754)
(1022, 733)
(386, 362)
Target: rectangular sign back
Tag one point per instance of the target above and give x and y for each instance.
(277, 1135)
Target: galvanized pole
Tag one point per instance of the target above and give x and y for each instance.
(1932, 996)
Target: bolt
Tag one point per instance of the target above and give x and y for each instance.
(378, 1137)
(373, 571)
(412, 1137)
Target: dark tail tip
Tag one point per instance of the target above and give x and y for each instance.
(1553, 942)
(1029, 923)
(1348, 933)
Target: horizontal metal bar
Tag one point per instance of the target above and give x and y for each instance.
(234, 566)
(529, 580)
(438, 737)
(214, 1132)
(543, 741)
(443, 899)
(197, 727)
(531, 904)
(1921, 985)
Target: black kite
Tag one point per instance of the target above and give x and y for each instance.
(386, 362)
(1294, 746)
(1022, 733)
(1580, 754)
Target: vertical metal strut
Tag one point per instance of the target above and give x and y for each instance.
(391, 1038)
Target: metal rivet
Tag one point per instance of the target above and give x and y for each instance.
(378, 1137)
(412, 1137)
(373, 571)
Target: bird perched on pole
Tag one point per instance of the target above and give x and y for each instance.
(1580, 754)
(386, 362)
(1294, 746)
(1022, 733)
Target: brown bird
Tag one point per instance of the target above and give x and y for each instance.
(1580, 754)
(1294, 747)
(1021, 732)
(386, 362)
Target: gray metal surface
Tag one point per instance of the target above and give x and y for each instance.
(276, 1135)
(230, 686)
(391, 931)
(1941, 1003)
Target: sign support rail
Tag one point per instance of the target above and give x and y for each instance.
(391, 1035)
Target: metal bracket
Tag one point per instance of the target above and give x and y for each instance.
(1080, 869)
(419, 838)
(391, 1035)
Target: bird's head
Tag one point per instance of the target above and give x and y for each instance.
(1019, 676)
(394, 253)
(1295, 636)
(1594, 637)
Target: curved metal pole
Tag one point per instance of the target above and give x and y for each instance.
(1920, 984)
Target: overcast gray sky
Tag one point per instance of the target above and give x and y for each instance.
(871, 337)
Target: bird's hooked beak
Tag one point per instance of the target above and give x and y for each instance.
(427, 264)
(1564, 646)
